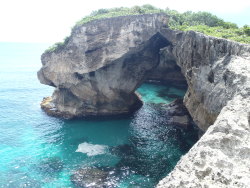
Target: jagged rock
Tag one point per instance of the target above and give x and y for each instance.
(102, 63)
(215, 70)
(218, 76)
(175, 108)
(221, 157)
(177, 114)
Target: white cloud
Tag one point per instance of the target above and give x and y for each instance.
(51, 20)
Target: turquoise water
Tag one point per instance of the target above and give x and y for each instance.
(40, 151)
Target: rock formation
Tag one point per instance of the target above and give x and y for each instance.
(221, 157)
(218, 76)
(101, 65)
(215, 69)
(98, 69)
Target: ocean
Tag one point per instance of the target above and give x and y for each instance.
(41, 151)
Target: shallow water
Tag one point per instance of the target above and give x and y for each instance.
(41, 151)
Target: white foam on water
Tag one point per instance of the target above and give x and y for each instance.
(91, 149)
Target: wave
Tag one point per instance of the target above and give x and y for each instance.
(91, 149)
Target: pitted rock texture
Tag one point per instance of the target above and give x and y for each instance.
(215, 70)
(101, 65)
(218, 76)
(221, 158)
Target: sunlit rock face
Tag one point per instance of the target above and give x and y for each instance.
(101, 65)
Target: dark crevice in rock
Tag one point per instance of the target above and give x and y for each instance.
(211, 77)
(168, 72)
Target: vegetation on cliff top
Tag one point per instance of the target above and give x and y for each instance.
(203, 22)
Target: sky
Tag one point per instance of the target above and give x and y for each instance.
(50, 21)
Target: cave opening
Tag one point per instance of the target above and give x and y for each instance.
(163, 84)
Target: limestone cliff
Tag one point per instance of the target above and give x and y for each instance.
(98, 69)
(215, 69)
(221, 157)
(218, 76)
(101, 65)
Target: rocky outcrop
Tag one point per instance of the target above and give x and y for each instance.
(101, 65)
(218, 76)
(221, 157)
(215, 69)
(103, 62)
(177, 114)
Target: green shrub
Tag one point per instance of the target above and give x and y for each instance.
(203, 22)
(246, 29)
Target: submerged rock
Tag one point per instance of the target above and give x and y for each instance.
(89, 178)
(122, 150)
(51, 165)
(182, 121)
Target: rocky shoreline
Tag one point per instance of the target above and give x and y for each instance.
(104, 61)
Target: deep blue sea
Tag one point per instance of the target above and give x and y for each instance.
(41, 151)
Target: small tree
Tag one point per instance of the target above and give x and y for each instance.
(138, 10)
(246, 29)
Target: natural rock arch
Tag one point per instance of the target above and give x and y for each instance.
(102, 63)
(101, 66)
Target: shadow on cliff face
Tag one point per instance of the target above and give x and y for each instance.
(167, 72)
(109, 90)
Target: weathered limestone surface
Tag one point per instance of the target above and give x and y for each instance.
(215, 69)
(218, 76)
(221, 158)
(102, 63)
(98, 69)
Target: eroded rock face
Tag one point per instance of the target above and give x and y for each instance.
(215, 69)
(218, 76)
(98, 69)
(221, 157)
(103, 62)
